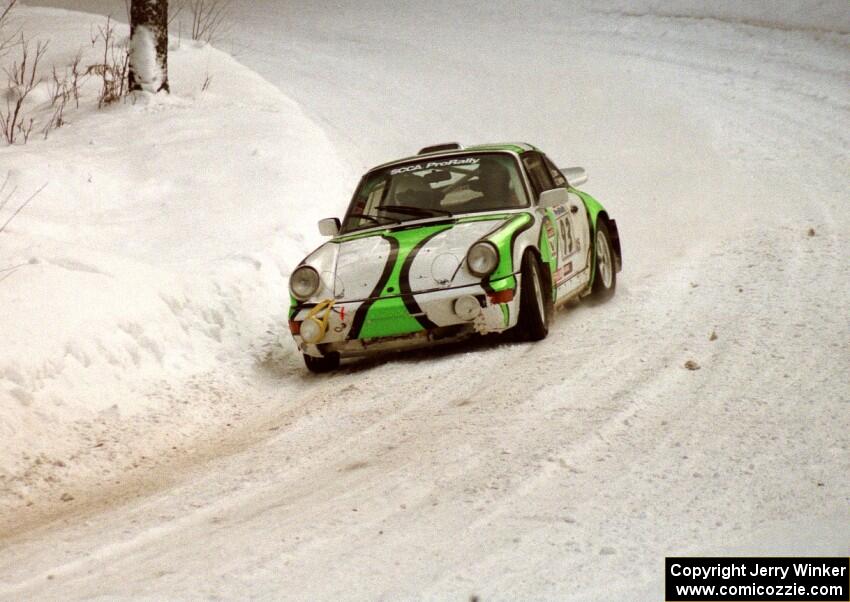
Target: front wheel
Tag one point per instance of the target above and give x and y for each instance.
(535, 301)
(320, 365)
(605, 280)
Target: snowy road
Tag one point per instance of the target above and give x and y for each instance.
(570, 468)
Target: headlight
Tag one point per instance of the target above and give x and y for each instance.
(304, 282)
(482, 258)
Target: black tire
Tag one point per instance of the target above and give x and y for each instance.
(605, 274)
(321, 365)
(535, 301)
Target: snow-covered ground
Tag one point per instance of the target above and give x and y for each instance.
(154, 259)
(141, 335)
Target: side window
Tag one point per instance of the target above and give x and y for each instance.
(540, 178)
(557, 177)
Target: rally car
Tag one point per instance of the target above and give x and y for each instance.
(450, 243)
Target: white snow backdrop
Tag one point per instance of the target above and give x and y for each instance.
(139, 331)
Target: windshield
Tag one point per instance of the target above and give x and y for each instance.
(441, 186)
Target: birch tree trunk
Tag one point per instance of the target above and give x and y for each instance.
(149, 45)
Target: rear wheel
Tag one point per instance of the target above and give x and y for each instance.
(535, 301)
(320, 365)
(605, 280)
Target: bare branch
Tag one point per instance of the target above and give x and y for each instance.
(4, 13)
(3, 187)
(175, 7)
(11, 192)
(6, 41)
(14, 267)
(9, 196)
(112, 69)
(9, 274)
(22, 79)
(210, 18)
(24, 204)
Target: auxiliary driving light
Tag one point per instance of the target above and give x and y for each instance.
(312, 330)
(467, 307)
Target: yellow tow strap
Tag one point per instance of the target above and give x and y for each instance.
(323, 306)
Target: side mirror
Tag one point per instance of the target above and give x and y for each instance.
(576, 176)
(329, 226)
(553, 198)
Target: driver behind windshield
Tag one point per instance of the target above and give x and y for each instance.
(494, 182)
(411, 190)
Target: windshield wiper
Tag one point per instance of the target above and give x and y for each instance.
(428, 212)
(388, 220)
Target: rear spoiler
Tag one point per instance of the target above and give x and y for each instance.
(438, 148)
(576, 176)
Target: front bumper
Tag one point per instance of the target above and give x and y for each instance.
(358, 328)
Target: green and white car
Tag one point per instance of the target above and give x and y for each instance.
(451, 243)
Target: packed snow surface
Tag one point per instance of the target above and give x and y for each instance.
(142, 379)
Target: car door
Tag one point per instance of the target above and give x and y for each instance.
(576, 226)
(557, 224)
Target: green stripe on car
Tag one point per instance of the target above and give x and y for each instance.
(390, 315)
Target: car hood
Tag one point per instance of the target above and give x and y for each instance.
(402, 260)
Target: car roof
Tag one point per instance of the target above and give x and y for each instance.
(511, 147)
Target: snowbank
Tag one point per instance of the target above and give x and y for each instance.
(158, 250)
